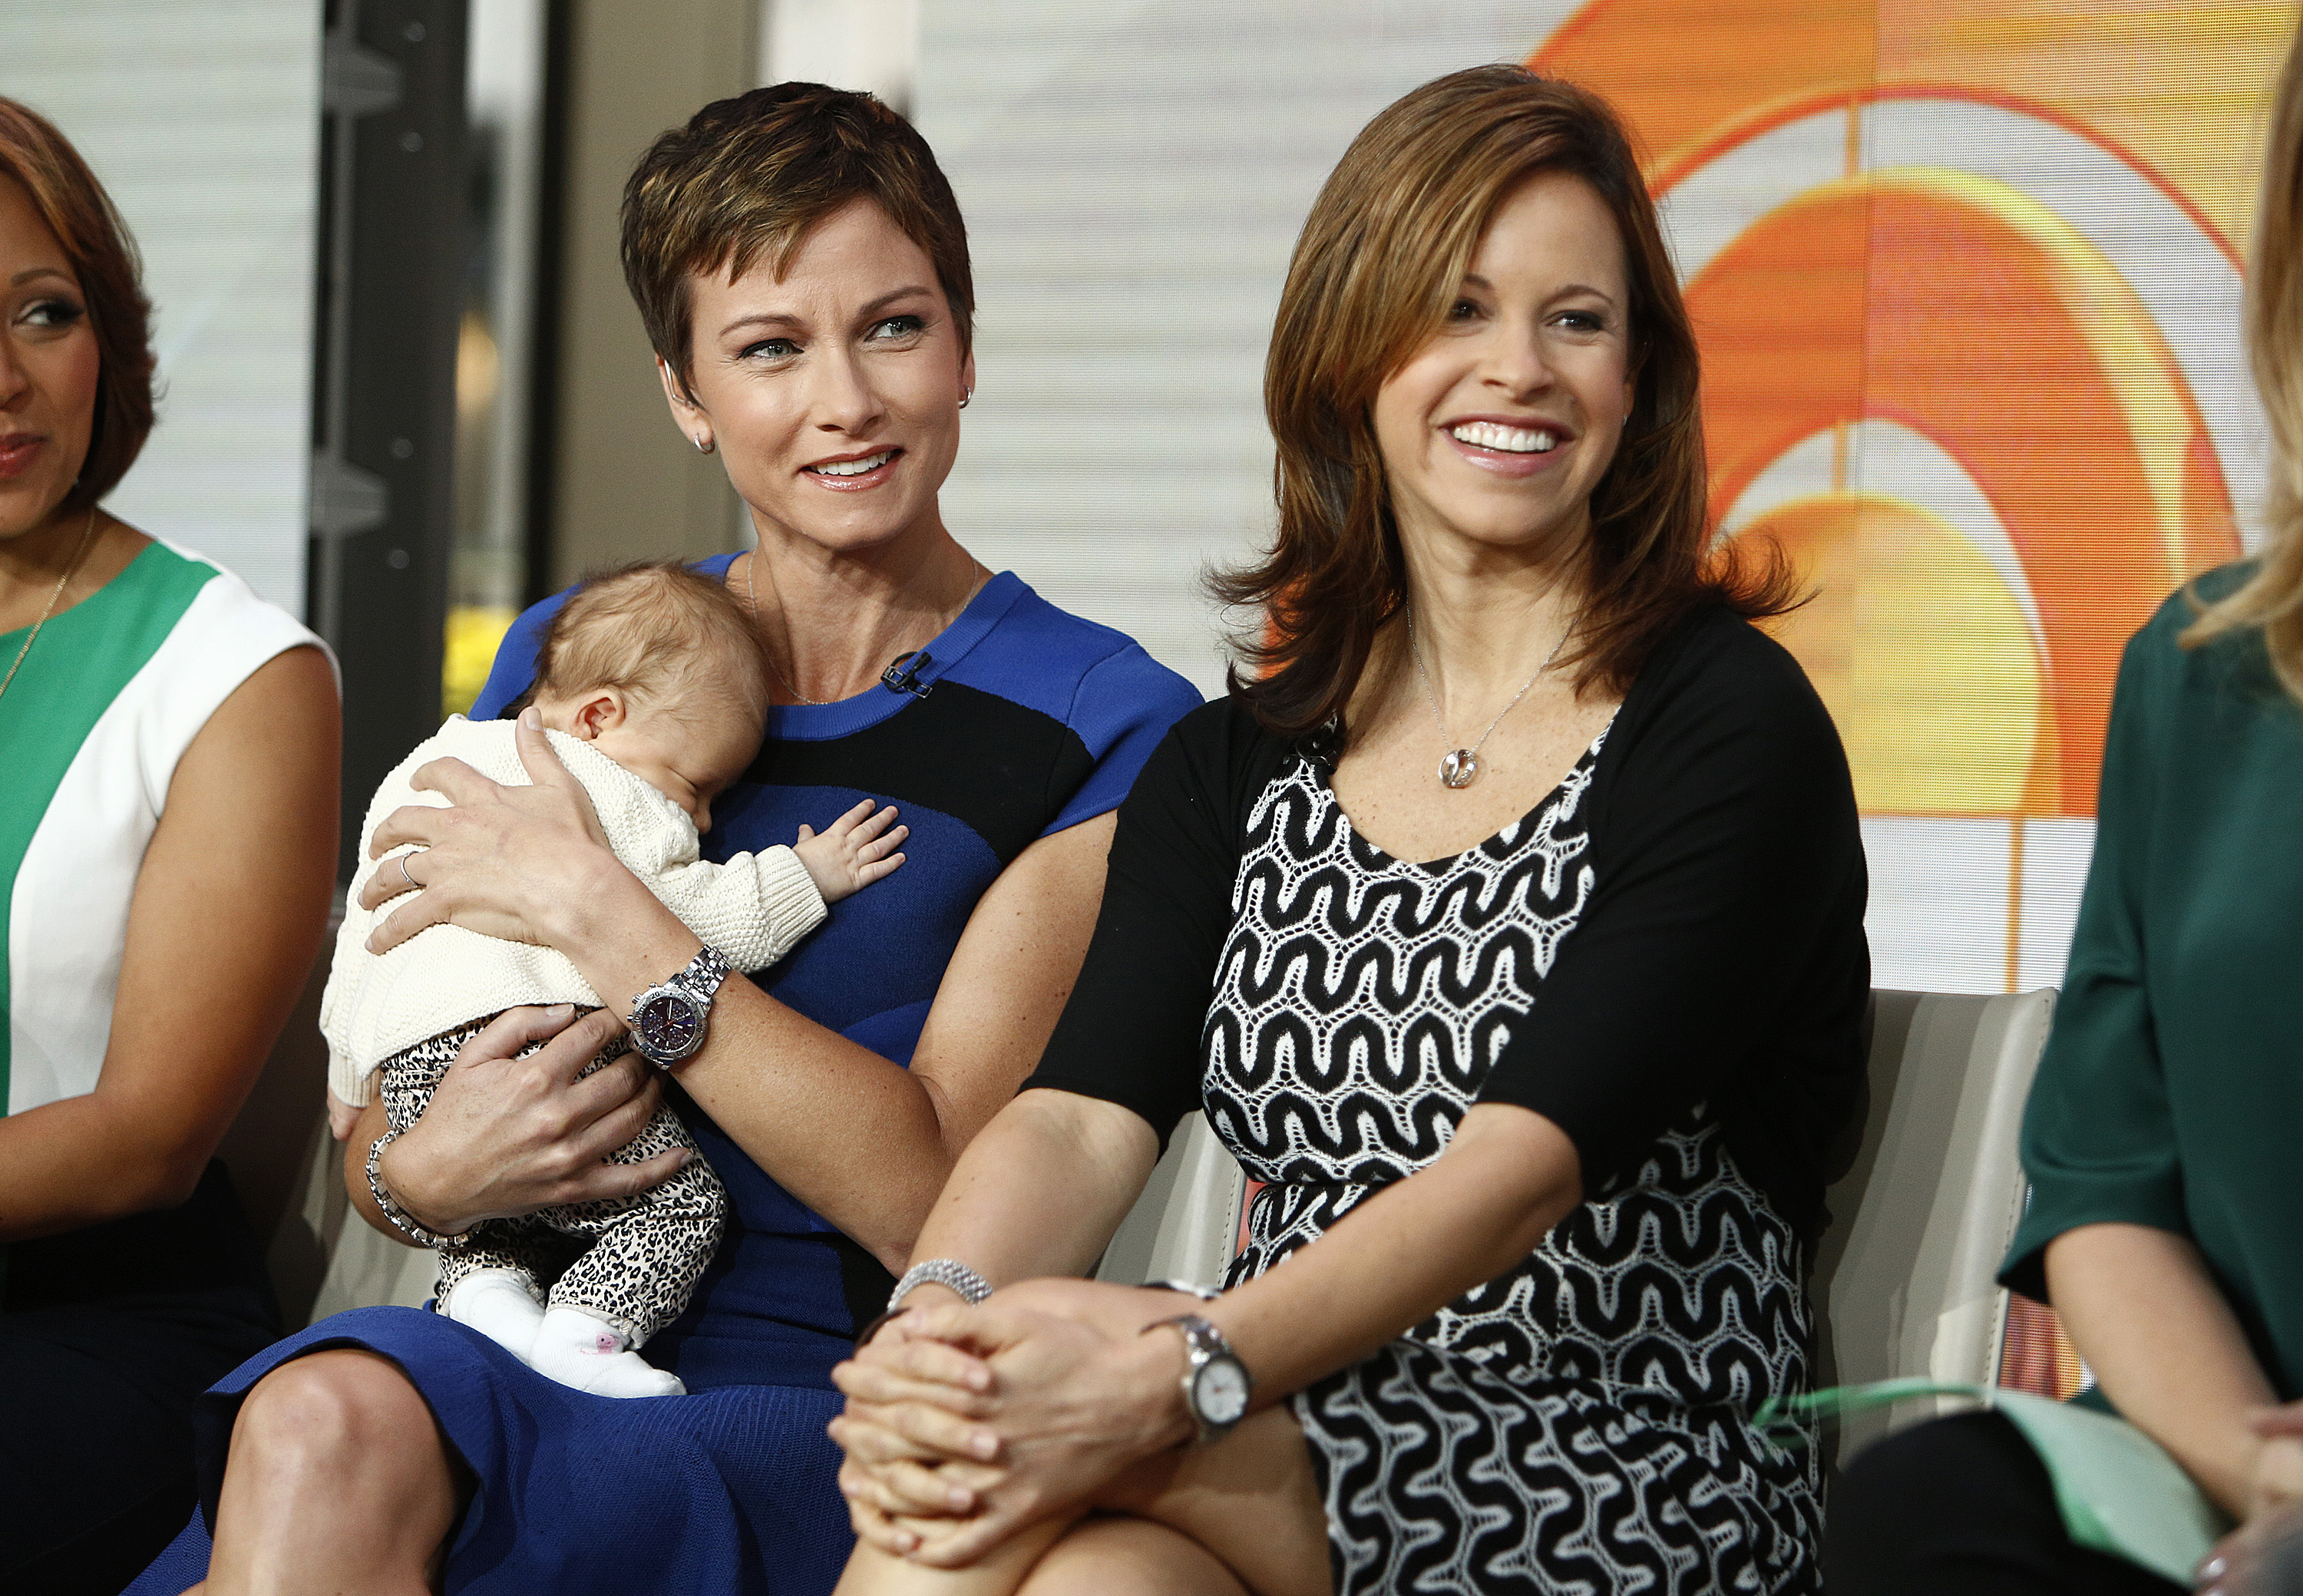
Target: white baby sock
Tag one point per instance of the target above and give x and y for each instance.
(501, 1305)
(586, 1351)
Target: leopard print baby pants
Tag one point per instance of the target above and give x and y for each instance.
(631, 1261)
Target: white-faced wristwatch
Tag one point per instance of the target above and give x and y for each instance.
(1215, 1384)
(669, 1021)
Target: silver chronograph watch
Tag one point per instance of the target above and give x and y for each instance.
(1215, 1384)
(669, 1021)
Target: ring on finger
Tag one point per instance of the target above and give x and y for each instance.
(413, 884)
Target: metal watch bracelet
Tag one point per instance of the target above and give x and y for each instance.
(949, 1273)
(401, 1220)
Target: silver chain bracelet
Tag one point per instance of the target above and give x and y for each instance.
(401, 1220)
(948, 1272)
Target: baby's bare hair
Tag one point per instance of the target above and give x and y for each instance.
(656, 631)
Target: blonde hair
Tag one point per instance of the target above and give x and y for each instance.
(2272, 599)
(656, 631)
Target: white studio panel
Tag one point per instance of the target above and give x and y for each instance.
(871, 45)
(1939, 893)
(202, 122)
(2055, 855)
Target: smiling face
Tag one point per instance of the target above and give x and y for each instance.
(48, 367)
(1500, 426)
(833, 392)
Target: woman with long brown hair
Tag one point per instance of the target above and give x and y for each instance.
(1544, 1116)
(2160, 1135)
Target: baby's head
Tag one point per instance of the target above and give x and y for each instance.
(655, 666)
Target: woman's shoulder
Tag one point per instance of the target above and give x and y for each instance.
(1092, 677)
(2199, 686)
(1716, 670)
(1721, 712)
(1216, 761)
(1089, 694)
(171, 591)
(181, 633)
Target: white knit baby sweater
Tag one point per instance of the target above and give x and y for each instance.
(752, 908)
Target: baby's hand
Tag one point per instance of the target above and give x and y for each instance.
(343, 1118)
(853, 852)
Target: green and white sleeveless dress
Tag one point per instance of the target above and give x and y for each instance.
(109, 1334)
(108, 700)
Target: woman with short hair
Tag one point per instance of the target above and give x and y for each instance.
(802, 269)
(167, 846)
(1508, 926)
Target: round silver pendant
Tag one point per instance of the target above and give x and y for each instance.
(1461, 768)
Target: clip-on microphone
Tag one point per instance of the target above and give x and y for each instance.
(903, 673)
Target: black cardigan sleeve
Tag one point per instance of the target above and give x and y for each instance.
(1720, 959)
(1130, 1032)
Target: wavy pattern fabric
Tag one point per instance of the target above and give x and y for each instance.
(1579, 1424)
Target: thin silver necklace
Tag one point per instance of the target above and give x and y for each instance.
(79, 549)
(976, 567)
(1460, 767)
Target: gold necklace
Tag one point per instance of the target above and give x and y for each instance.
(62, 582)
(975, 569)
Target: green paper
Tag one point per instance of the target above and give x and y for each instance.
(2118, 1490)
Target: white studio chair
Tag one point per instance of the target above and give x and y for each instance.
(1906, 1272)
(1186, 1226)
(1905, 1276)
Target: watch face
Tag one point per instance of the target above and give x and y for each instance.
(1221, 1391)
(668, 1027)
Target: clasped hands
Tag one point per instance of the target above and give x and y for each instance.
(963, 1424)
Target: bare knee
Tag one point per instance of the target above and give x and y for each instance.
(1121, 1556)
(330, 1406)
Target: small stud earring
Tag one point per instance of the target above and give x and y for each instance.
(704, 445)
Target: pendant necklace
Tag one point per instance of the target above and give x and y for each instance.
(976, 570)
(1460, 766)
(62, 582)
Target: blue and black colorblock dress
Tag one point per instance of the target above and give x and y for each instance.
(1021, 721)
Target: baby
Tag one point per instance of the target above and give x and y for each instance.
(652, 690)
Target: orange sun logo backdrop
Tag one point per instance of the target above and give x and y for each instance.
(1966, 279)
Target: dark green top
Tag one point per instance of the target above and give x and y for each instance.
(2171, 1093)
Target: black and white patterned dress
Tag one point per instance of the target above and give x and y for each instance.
(1665, 960)
(1579, 1424)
